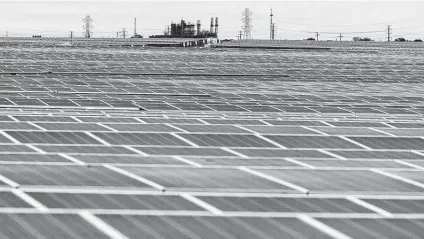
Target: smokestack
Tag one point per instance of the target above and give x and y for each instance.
(135, 27)
(198, 28)
(216, 27)
(211, 30)
(182, 28)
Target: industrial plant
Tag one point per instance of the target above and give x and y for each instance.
(190, 30)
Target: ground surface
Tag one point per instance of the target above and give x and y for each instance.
(212, 143)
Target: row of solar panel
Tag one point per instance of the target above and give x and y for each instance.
(201, 157)
(205, 227)
(216, 140)
(212, 106)
(212, 121)
(395, 181)
(214, 152)
(226, 203)
(210, 129)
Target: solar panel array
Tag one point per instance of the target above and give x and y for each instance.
(94, 42)
(211, 143)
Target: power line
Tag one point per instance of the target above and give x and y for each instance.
(350, 32)
(353, 25)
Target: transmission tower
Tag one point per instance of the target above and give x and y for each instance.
(88, 25)
(247, 23)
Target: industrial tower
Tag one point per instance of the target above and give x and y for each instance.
(199, 29)
(389, 33)
(88, 25)
(216, 27)
(271, 29)
(247, 23)
(211, 30)
(135, 27)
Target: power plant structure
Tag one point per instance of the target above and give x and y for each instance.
(136, 35)
(185, 29)
(272, 28)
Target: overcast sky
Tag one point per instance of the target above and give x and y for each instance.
(294, 19)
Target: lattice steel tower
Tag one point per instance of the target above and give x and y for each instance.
(88, 25)
(247, 23)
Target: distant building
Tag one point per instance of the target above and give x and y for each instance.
(185, 30)
(137, 36)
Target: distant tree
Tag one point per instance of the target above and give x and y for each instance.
(400, 39)
(311, 39)
(356, 39)
(418, 40)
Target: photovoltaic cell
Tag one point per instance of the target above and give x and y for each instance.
(313, 142)
(114, 201)
(390, 142)
(212, 227)
(341, 180)
(205, 178)
(141, 139)
(381, 228)
(46, 226)
(52, 137)
(269, 204)
(227, 140)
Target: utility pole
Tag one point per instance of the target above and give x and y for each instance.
(240, 34)
(317, 34)
(117, 34)
(124, 32)
(72, 35)
(340, 36)
(388, 33)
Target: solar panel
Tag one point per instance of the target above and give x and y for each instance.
(249, 143)
(284, 204)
